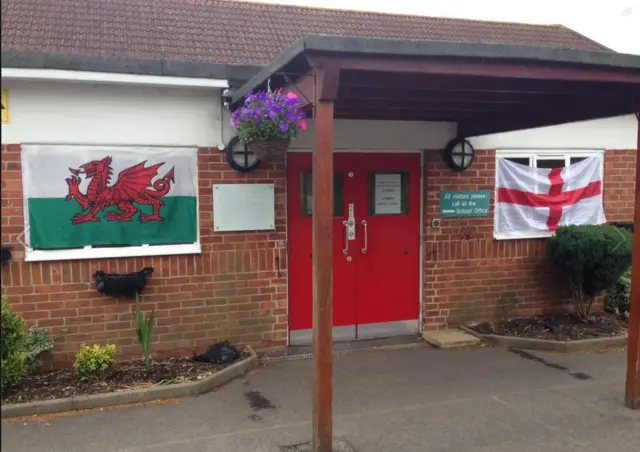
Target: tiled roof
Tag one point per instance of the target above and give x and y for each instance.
(222, 31)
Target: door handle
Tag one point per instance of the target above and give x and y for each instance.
(366, 237)
(346, 237)
(349, 229)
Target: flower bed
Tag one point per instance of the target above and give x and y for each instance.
(121, 376)
(97, 377)
(564, 327)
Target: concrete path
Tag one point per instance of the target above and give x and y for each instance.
(423, 400)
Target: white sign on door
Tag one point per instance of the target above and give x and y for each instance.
(388, 194)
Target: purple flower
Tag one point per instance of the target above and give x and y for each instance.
(248, 98)
(292, 116)
(262, 110)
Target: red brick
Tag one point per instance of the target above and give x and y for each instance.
(232, 290)
(513, 270)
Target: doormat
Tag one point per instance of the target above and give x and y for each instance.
(339, 445)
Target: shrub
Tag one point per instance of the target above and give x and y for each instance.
(14, 362)
(618, 297)
(37, 343)
(144, 328)
(591, 259)
(92, 362)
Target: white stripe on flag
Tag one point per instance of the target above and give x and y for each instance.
(45, 167)
(586, 212)
(522, 177)
(582, 173)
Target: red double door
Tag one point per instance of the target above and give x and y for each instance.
(376, 271)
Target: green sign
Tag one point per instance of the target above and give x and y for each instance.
(467, 203)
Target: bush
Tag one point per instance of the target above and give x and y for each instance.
(591, 259)
(14, 362)
(92, 362)
(38, 343)
(618, 297)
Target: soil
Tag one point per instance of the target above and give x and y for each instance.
(121, 376)
(562, 327)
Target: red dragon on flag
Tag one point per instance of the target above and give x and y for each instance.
(134, 186)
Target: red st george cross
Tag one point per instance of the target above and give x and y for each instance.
(555, 200)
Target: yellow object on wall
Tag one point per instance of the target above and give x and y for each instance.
(5, 106)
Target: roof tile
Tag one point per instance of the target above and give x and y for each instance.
(229, 31)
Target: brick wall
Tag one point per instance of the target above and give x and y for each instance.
(235, 289)
(469, 276)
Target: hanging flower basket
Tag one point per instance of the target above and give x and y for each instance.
(266, 149)
(268, 121)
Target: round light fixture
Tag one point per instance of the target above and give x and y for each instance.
(239, 157)
(459, 154)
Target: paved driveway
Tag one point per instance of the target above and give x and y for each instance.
(426, 400)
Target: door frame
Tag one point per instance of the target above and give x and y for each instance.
(421, 252)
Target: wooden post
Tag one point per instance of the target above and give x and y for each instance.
(323, 261)
(633, 352)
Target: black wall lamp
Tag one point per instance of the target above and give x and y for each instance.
(239, 157)
(459, 154)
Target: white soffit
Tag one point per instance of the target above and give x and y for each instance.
(110, 78)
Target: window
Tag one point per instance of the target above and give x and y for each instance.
(548, 159)
(148, 201)
(306, 194)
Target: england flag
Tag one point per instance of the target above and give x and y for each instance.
(539, 200)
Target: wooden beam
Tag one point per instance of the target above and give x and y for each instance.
(327, 80)
(443, 95)
(396, 116)
(304, 86)
(633, 350)
(480, 68)
(391, 105)
(384, 81)
(322, 224)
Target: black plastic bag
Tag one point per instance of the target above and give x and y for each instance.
(220, 353)
(6, 254)
(122, 285)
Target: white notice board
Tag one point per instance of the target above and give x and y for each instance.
(244, 207)
(388, 192)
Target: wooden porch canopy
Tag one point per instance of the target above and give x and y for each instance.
(484, 88)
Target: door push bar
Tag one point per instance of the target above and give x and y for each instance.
(366, 237)
(349, 228)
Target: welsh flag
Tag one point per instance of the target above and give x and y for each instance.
(531, 200)
(77, 196)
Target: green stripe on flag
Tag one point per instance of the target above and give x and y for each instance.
(50, 225)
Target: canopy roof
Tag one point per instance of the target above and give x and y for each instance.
(485, 88)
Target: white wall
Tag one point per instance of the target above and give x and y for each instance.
(83, 113)
(611, 133)
(374, 135)
(384, 135)
(620, 132)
